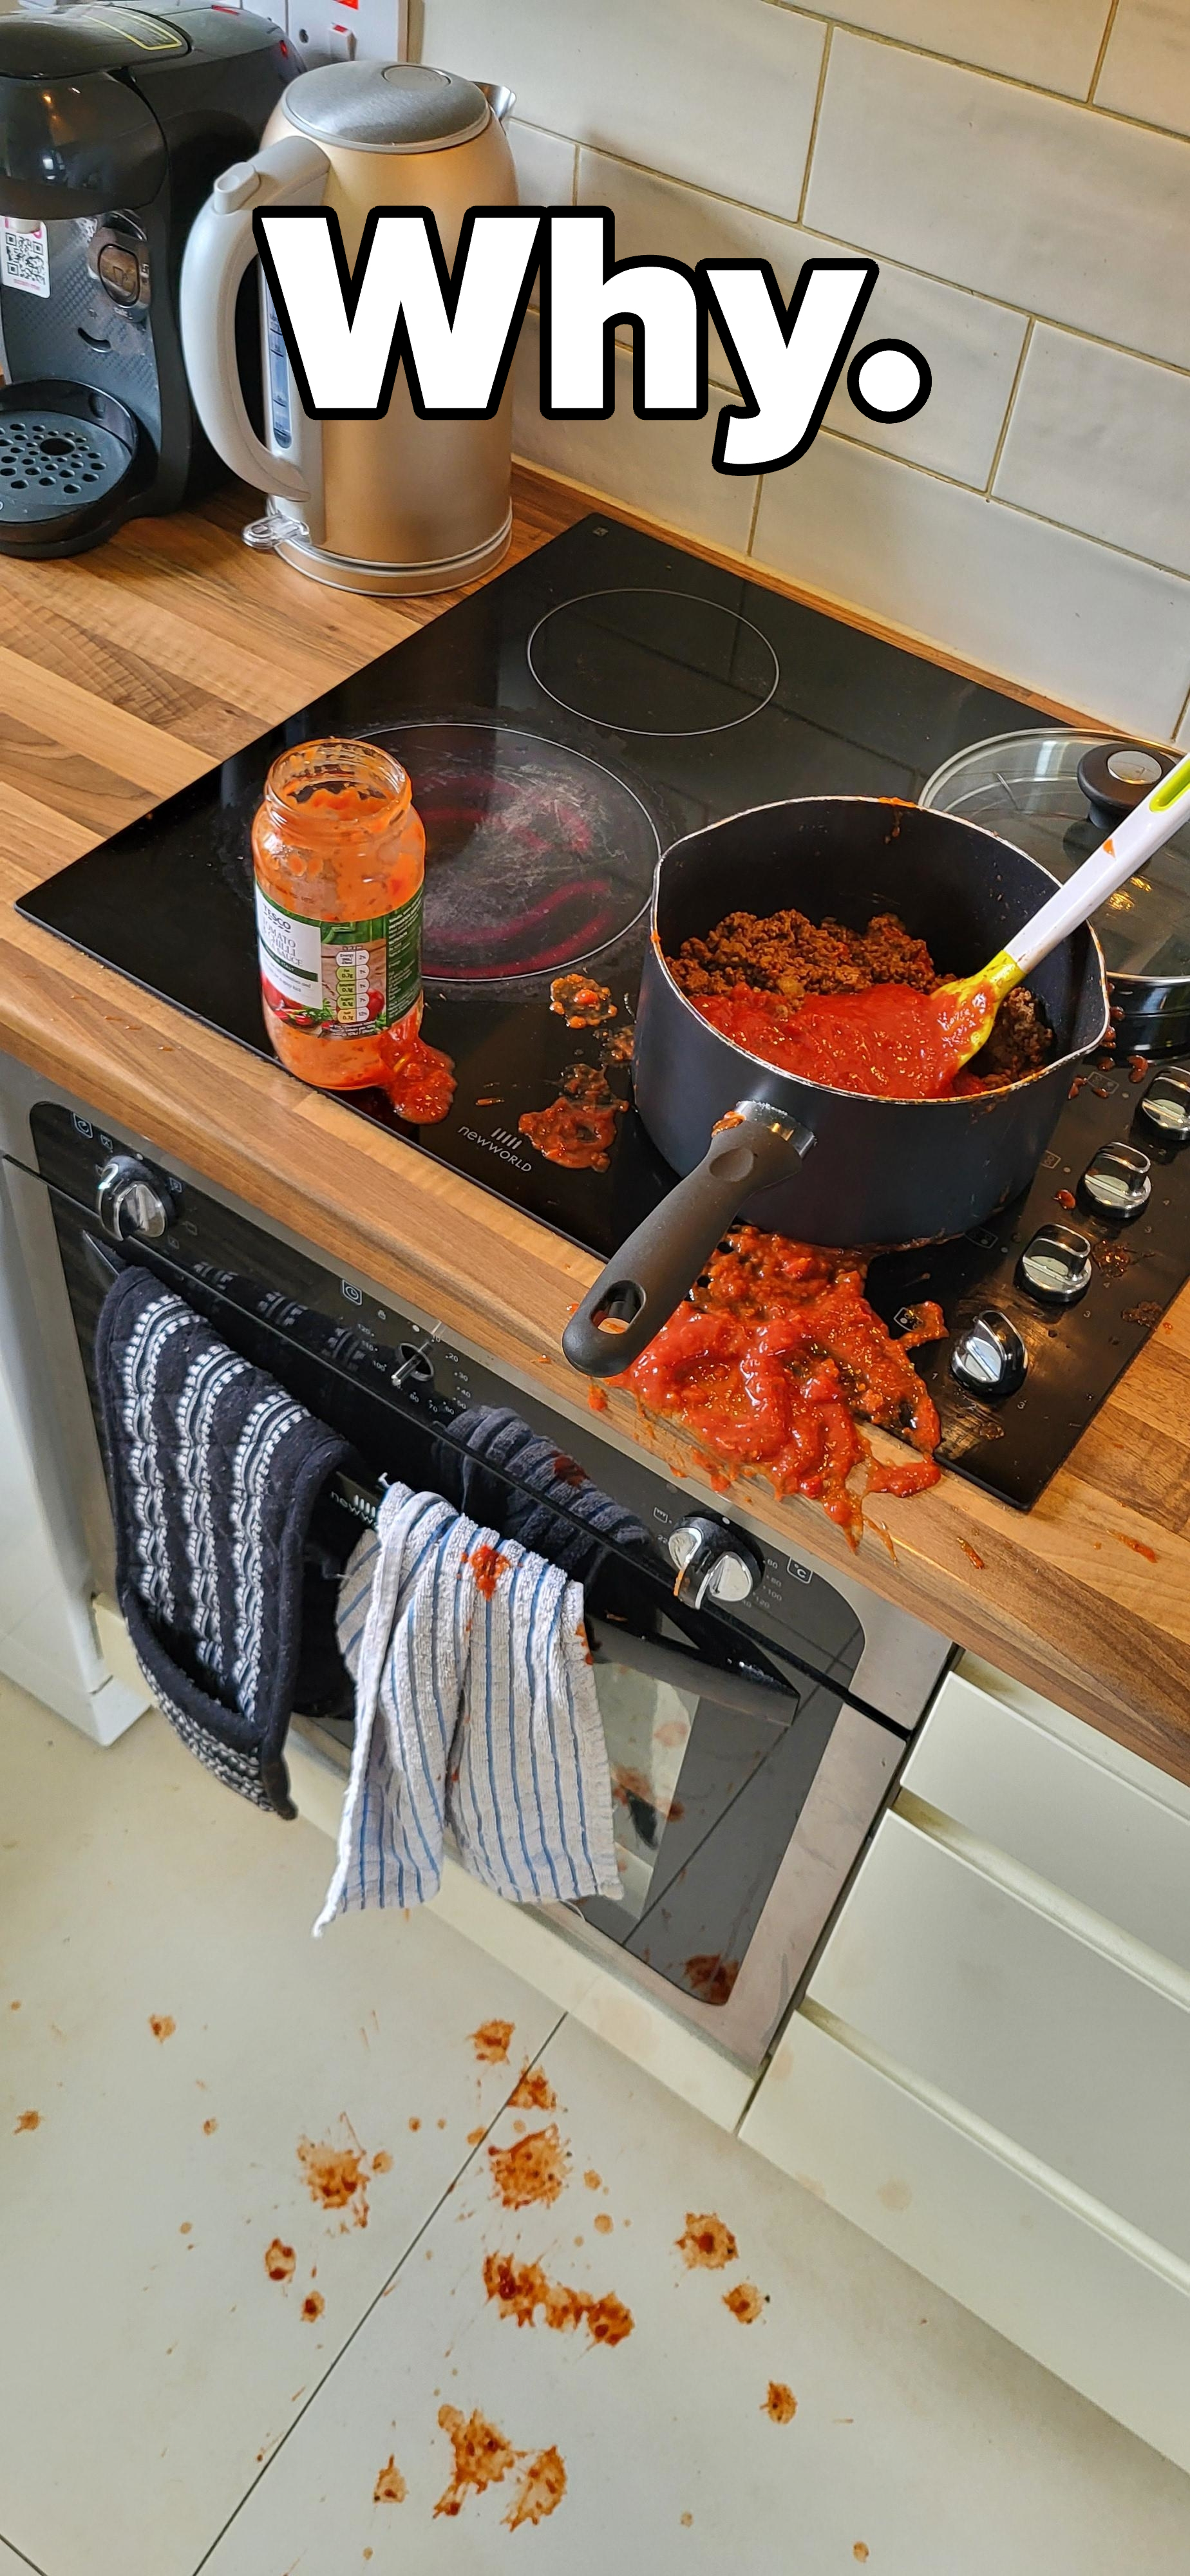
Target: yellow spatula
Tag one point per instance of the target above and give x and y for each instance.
(968, 1006)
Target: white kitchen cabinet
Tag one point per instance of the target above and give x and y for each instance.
(991, 2068)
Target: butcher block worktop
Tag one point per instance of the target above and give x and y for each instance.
(126, 672)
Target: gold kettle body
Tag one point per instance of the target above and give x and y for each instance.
(397, 504)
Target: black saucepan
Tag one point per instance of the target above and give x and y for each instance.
(825, 1166)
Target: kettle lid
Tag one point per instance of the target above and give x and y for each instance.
(386, 107)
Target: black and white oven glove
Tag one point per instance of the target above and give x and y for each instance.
(214, 1472)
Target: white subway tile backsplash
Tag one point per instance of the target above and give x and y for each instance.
(544, 165)
(972, 346)
(660, 467)
(721, 96)
(1053, 43)
(1054, 612)
(1101, 441)
(1068, 213)
(1146, 69)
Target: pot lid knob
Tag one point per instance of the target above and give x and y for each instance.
(1117, 776)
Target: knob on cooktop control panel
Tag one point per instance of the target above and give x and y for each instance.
(1166, 1103)
(1117, 1180)
(1056, 1265)
(989, 1357)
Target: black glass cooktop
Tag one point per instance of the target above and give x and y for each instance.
(561, 726)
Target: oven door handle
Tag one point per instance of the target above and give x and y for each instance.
(686, 1671)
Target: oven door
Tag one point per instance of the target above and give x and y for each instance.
(747, 1771)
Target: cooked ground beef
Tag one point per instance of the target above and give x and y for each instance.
(784, 952)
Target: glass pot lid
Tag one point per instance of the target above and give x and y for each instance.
(1025, 787)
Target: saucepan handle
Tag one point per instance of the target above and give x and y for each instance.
(654, 1270)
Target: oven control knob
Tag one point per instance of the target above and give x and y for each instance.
(1117, 1180)
(989, 1357)
(1166, 1104)
(1056, 1265)
(128, 1199)
(715, 1562)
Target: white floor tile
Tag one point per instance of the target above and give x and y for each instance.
(12, 2564)
(921, 2441)
(148, 2361)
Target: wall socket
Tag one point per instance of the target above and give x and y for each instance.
(338, 31)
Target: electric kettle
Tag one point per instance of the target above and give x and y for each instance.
(390, 505)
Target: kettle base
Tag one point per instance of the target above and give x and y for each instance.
(393, 581)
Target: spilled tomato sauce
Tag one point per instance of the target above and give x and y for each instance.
(890, 1042)
(770, 1361)
(419, 1079)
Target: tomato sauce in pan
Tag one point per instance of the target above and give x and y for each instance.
(771, 1360)
(890, 1042)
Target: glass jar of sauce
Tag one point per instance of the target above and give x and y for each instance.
(338, 854)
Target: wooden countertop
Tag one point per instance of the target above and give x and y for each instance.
(123, 674)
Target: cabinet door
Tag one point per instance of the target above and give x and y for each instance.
(1106, 1829)
(995, 2004)
(977, 2219)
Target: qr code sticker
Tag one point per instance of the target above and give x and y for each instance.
(24, 256)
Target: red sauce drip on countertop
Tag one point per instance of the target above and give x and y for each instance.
(890, 1042)
(419, 1079)
(771, 1359)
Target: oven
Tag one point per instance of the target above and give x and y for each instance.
(758, 1707)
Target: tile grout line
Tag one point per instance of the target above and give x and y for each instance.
(977, 71)
(469, 2161)
(819, 95)
(1101, 56)
(1010, 407)
(755, 514)
(19, 2553)
(1182, 718)
(890, 259)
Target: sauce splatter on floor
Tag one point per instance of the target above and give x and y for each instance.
(474, 2136)
(745, 2302)
(706, 2244)
(482, 2457)
(860, 2550)
(520, 2289)
(390, 2487)
(312, 2306)
(490, 2042)
(687, 2519)
(780, 2404)
(415, 2124)
(337, 2177)
(27, 2120)
(209, 2127)
(534, 2091)
(279, 2260)
(603, 2224)
(162, 2025)
(593, 2181)
(533, 2169)
(542, 2487)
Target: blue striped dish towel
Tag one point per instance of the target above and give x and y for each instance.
(475, 1711)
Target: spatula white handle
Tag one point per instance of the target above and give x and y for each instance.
(1119, 857)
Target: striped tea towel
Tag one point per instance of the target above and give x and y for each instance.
(214, 1474)
(475, 1709)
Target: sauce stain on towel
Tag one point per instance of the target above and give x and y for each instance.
(487, 1565)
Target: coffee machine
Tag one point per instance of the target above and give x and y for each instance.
(114, 123)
